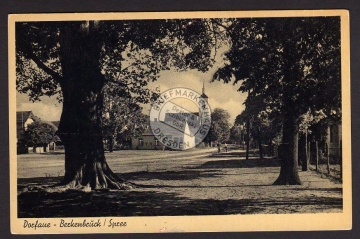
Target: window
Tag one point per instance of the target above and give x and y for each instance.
(141, 142)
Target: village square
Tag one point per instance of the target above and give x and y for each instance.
(179, 117)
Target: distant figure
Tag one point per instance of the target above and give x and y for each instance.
(225, 147)
(218, 146)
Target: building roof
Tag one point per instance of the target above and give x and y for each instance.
(51, 123)
(203, 95)
(55, 123)
(22, 116)
(147, 132)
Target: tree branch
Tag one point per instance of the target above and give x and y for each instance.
(121, 84)
(27, 50)
(219, 24)
(56, 76)
(23, 45)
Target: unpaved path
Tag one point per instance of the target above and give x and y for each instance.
(194, 182)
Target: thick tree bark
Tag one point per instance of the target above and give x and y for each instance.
(289, 163)
(111, 144)
(80, 123)
(301, 151)
(289, 170)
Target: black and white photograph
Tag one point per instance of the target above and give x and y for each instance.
(180, 122)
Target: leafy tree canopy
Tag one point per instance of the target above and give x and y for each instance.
(294, 61)
(131, 55)
(39, 134)
(220, 125)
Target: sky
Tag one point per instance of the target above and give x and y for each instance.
(220, 95)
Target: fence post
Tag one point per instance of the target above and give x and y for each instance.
(341, 161)
(317, 156)
(327, 158)
(308, 158)
(305, 162)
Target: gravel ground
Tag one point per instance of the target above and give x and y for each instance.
(196, 182)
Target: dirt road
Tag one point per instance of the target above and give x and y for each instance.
(178, 183)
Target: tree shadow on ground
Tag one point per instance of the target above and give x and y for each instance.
(39, 181)
(234, 154)
(54, 153)
(171, 175)
(150, 203)
(150, 200)
(207, 186)
(235, 163)
(191, 174)
(315, 189)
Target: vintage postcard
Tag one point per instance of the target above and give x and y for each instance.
(180, 122)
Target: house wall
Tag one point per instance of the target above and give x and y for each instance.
(145, 142)
(38, 150)
(334, 136)
(27, 122)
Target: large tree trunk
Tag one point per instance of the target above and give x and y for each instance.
(301, 146)
(289, 163)
(111, 144)
(327, 158)
(80, 123)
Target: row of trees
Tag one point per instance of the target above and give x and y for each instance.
(288, 66)
(220, 127)
(258, 127)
